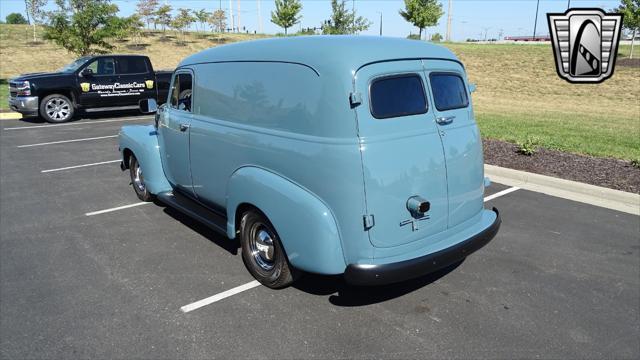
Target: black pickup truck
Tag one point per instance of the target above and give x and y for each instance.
(91, 83)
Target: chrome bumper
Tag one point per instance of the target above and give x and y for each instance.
(26, 105)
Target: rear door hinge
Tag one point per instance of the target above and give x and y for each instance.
(355, 99)
(368, 221)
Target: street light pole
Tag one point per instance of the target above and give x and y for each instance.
(568, 4)
(380, 22)
(535, 25)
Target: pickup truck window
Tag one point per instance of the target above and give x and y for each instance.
(132, 65)
(449, 91)
(103, 66)
(75, 65)
(181, 92)
(398, 95)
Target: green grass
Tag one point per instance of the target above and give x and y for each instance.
(4, 94)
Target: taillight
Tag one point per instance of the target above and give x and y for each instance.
(24, 89)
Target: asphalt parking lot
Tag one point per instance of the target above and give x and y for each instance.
(560, 280)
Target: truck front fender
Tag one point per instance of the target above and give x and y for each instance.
(142, 142)
(306, 226)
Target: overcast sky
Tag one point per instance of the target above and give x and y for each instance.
(470, 18)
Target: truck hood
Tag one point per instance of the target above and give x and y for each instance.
(38, 75)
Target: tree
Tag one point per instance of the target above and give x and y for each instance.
(436, 37)
(34, 9)
(147, 9)
(163, 16)
(286, 14)
(202, 16)
(422, 13)
(129, 27)
(631, 12)
(344, 21)
(84, 27)
(182, 21)
(218, 21)
(16, 18)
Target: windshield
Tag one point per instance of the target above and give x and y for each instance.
(75, 65)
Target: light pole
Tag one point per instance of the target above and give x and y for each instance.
(568, 4)
(535, 25)
(380, 12)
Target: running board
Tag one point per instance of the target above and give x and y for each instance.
(194, 210)
(113, 108)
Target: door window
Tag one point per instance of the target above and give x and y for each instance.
(449, 91)
(181, 92)
(132, 65)
(395, 96)
(103, 66)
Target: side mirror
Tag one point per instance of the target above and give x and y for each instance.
(148, 106)
(87, 72)
(472, 87)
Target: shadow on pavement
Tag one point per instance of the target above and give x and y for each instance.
(88, 116)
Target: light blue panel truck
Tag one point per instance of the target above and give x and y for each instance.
(332, 155)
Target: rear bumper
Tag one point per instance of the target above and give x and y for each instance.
(26, 105)
(369, 275)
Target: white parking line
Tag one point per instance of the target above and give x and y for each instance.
(116, 208)
(68, 141)
(80, 166)
(223, 295)
(78, 123)
(500, 193)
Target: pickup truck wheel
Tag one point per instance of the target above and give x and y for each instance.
(262, 252)
(56, 108)
(137, 180)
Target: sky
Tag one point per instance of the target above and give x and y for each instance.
(470, 18)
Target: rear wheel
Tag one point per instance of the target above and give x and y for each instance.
(137, 180)
(262, 252)
(56, 108)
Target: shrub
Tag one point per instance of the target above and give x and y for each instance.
(528, 147)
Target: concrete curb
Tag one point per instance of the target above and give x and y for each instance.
(10, 116)
(566, 189)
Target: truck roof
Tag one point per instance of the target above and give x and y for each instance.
(323, 53)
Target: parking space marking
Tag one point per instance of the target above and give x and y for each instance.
(116, 208)
(79, 123)
(80, 166)
(68, 141)
(500, 193)
(223, 295)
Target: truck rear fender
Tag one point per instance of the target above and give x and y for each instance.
(306, 226)
(142, 142)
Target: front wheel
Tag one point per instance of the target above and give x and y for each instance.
(262, 252)
(56, 108)
(137, 180)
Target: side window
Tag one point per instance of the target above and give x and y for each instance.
(396, 96)
(181, 92)
(132, 65)
(103, 66)
(449, 91)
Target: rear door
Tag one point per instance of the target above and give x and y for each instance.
(453, 115)
(135, 79)
(401, 151)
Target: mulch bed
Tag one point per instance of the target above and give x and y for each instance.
(628, 62)
(610, 173)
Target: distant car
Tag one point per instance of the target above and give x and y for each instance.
(91, 83)
(332, 155)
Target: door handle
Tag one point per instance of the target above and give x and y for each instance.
(184, 127)
(445, 120)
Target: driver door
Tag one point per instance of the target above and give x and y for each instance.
(97, 89)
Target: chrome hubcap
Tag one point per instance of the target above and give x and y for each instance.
(138, 179)
(58, 109)
(261, 246)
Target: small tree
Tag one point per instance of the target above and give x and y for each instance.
(129, 27)
(84, 27)
(182, 21)
(422, 13)
(16, 18)
(344, 21)
(35, 11)
(218, 21)
(163, 16)
(202, 16)
(631, 12)
(146, 9)
(286, 14)
(436, 37)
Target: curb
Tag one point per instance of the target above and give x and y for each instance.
(566, 189)
(10, 116)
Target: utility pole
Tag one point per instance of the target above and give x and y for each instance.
(448, 38)
(233, 20)
(259, 18)
(238, 15)
(535, 25)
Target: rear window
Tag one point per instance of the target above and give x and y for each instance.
(449, 91)
(397, 96)
(132, 65)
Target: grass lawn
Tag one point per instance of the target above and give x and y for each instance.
(4, 94)
(519, 94)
